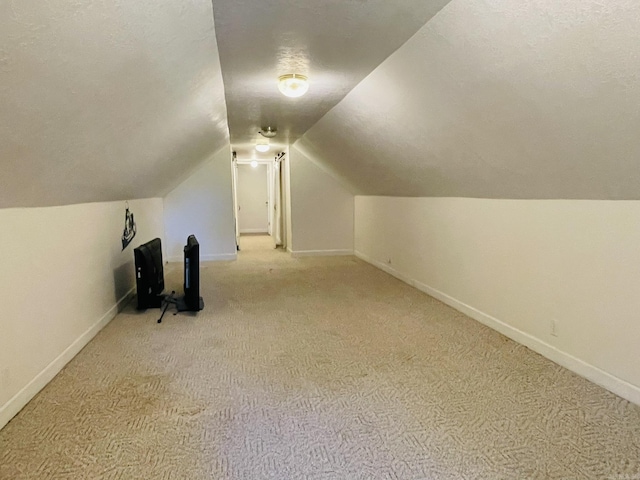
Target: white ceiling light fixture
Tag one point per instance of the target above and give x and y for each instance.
(293, 85)
(254, 164)
(262, 145)
(268, 132)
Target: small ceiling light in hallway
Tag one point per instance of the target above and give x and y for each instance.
(254, 164)
(293, 85)
(268, 132)
(262, 145)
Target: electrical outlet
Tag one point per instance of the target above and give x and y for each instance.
(553, 330)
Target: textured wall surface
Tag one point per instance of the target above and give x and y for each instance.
(105, 100)
(495, 98)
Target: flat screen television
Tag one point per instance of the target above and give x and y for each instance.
(192, 301)
(149, 274)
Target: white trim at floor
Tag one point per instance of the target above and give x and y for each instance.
(220, 257)
(320, 253)
(592, 373)
(20, 399)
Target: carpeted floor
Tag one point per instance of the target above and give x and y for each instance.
(315, 368)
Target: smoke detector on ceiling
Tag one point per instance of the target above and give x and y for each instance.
(268, 132)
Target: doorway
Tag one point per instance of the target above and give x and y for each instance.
(260, 194)
(253, 199)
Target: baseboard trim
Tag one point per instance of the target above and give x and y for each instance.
(218, 257)
(320, 253)
(20, 399)
(592, 373)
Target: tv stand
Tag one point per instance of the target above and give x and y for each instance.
(181, 305)
(179, 302)
(167, 300)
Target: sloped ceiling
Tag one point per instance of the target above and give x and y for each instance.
(491, 98)
(336, 43)
(105, 100)
(497, 99)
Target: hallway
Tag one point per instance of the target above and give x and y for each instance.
(256, 243)
(315, 368)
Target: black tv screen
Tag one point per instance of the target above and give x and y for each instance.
(149, 274)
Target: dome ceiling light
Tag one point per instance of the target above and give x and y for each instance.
(268, 132)
(293, 85)
(262, 145)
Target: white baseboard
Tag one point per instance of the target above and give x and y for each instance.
(218, 257)
(254, 230)
(20, 399)
(320, 253)
(592, 373)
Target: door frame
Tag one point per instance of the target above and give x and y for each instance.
(270, 193)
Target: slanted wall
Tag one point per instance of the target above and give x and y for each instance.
(497, 99)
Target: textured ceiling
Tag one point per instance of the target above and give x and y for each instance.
(498, 99)
(336, 43)
(105, 100)
(491, 98)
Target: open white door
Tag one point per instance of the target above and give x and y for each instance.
(276, 213)
(234, 188)
(253, 198)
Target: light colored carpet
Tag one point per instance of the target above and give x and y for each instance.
(315, 368)
(256, 243)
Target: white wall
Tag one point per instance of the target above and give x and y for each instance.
(253, 197)
(63, 276)
(203, 205)
(321, 210)
(517, 264)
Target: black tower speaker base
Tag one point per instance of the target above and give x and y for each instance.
(181, 305)
(149, 301)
